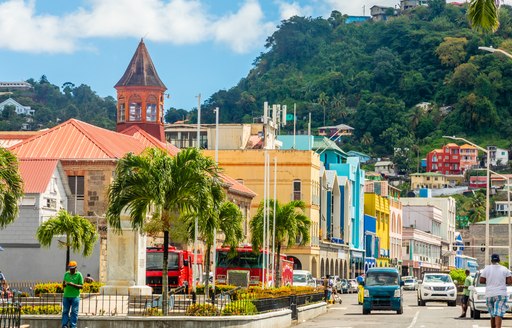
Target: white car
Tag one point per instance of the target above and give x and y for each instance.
(411, 284)
(477, 298)
(303, 278)
(437, 287)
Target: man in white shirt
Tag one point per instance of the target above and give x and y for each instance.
(496, 278)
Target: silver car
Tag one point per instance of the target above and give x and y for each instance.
(411, 284)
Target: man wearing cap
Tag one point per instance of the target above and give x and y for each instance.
(72, 283)
(496, 278)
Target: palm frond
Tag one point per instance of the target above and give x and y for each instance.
(483, 15)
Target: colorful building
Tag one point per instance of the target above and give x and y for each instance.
(376, 204)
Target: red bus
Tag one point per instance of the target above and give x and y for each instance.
(180, 268)
(246, 268)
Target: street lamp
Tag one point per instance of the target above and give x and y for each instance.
(487, 193)
(494, 50)
(508, 209)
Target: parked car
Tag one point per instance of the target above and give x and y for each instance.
(477, 298)
(344, 286)
(337, 285)
(303, 278)
(352, 286)
(411, 284)
(437, 287)
(382, 290)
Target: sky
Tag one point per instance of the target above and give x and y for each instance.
(198, 46)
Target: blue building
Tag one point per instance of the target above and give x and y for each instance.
(371, 243)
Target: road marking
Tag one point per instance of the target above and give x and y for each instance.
(414, 319)
(338, 308)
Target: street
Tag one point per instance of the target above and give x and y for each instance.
(434, 315)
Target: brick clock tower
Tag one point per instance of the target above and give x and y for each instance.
(140, 96)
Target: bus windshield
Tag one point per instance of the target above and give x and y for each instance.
(381, 278)
(154, 261)
(247, 260)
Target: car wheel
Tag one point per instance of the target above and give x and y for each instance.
(400, 311)
(452, 303)
(476, 314)
(421, 302)
(365, 311)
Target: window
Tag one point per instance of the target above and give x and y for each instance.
(51, 203)
(76, 184)
(121, 113)
(53, 185)
(135, 108)
(297, 192)
(151, 109)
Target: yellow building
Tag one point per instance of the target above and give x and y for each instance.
(298, 178)
(376, 204)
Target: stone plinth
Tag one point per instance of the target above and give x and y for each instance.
(126, 262)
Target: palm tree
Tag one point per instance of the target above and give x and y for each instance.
(291, 225)
(11, 187)
(483, 15)
(80, 234)
(323, 100)
(218, 216)
(158, 190)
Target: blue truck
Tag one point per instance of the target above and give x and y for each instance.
(382, 290)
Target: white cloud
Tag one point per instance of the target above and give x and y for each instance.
(243, 29)
(288, 10)
(21, 30)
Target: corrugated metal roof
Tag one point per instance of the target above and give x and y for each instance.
(148, 140)
(36, 174)
(75, 139)
(236, 186)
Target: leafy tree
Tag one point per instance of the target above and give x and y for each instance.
(80, 234)
(11, 187)
(451, 52)
(291, 227)
(160, 190)
(323, 100)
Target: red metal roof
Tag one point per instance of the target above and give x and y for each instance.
(36, 174)
(75, 139)
(235, 186)
(148, 140)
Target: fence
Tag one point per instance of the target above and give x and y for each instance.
(10, 313)
(152, 305)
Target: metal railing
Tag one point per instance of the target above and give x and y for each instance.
(96, 304)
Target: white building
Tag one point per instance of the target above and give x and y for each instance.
(447, 205)
(498, 156)
(19, 108)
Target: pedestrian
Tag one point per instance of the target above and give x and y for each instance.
(89, 279)
(465, 294)
(72, 284)
(496, 278)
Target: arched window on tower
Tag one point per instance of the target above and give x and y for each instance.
(151, 108)
(135, 108)
(121, 114)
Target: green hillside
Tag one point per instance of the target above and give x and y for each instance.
(372, 75)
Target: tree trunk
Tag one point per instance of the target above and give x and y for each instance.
(67, 257)
(207, 269)
(165, 278)
(277, 278)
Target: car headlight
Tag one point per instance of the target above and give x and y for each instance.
(480, 297)
(366, 293)
(397, 293)
(427, 287)
(450, 287)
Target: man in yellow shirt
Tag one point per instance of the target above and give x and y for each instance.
(72, 283)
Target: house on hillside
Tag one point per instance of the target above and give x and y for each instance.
(19, 108)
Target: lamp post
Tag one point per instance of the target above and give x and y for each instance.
(487, 193)
(508, 210)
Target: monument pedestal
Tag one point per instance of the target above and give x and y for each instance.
(126, 262)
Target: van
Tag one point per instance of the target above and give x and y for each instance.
(303, 278)
(382, 290)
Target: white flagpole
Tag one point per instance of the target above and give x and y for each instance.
(274, 226)
(264, 216)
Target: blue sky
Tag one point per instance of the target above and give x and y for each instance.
(197, 46)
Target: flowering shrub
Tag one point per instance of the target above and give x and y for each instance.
(41, 309)
(56, 288)
(202, 310)
(240, 307)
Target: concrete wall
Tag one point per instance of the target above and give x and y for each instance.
(311, 311)
(278, 319)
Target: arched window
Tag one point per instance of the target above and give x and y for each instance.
(151, 109)
(135, 108)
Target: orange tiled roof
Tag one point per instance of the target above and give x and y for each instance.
(451, 144)
(36, 174)
(75, 139)
(235, 186)
(467, 146)
(148, 140)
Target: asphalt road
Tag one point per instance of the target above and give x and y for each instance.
(434, 315)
